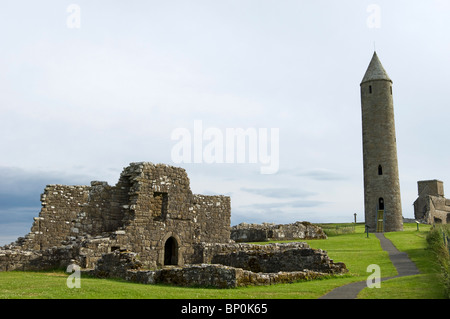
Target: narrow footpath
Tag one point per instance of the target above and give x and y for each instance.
(400, 260)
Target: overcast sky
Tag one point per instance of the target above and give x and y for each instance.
(87, 87)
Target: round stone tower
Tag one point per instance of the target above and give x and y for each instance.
(382, 203)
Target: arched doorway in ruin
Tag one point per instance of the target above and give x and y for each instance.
(171, 251)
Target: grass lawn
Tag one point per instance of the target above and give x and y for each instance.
(354, 249)
(427, 285)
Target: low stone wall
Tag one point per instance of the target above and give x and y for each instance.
(263, 232)
(217, 276)
(116, 264)
(205, 252)
(52, 258)
(17, 259)
(270, 258)
(126, 265)
(228, 265)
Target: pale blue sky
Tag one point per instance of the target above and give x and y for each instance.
(79, 104)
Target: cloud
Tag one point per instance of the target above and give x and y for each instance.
(288, 204)
(8, 201)
(111, 93)
(18, 215)
(10, 232)
(16, 222)
(276, 213)
(20, 191)
(278, 192)
(22, 188)
(319, 174)
(18, 180)
(323, 175)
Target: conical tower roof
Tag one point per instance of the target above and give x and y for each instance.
(375, 71)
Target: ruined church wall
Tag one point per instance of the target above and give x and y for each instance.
(149, 205)
(158, 202)
(72, 211)
(161, 205)
(213, 216)
(431, 206)
(61, 205)
(432, 209)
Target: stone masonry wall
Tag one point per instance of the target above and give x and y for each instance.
(126, 265)
(18, 259)
(149, 206)
(73, 211)
(217, 276)
(263, 232)
(431, 207)
(274, 257)
(162, 206)
(213, 217)
(60, 207)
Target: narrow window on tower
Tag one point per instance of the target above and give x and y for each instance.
(380, 170)
(391, 89)
(370, 89)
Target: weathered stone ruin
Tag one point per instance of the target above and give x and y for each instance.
(269, 258)
(269, 231)
(431, 207)
(150, 211)
(228, 265)
(151, 228)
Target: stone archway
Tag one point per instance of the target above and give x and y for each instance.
(171, 248)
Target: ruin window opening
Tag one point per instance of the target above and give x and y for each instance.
(391, 89)
(171, 251)
(162, 201)
(381, 203)
(380, 170)
(370, 89)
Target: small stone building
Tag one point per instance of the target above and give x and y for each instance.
(431, 207)
(150, 211)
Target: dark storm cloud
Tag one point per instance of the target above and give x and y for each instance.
(20, 191)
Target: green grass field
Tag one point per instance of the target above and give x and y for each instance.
(354, 249)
